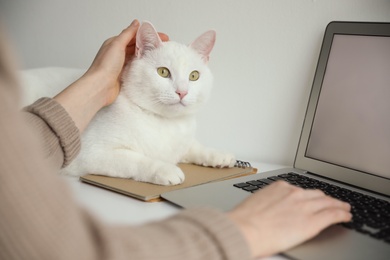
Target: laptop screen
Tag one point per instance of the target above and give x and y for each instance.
(351, 126)
(346, 132)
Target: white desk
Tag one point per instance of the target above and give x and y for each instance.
(120, 209)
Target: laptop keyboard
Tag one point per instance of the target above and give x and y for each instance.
(370, 215)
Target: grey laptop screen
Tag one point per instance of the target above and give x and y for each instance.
(351, 126)
(346, 132)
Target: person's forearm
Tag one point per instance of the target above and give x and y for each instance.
(199, 233)
(84, 98)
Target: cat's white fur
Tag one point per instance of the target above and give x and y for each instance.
(151, 125)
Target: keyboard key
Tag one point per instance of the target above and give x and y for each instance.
(241, 185)
(250, 188)
(255, 183)
(276, 178)
(283, 176)
(266, 181)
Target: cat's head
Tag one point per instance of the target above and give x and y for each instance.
(168, 78)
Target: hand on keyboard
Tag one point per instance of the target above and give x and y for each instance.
(371, 216)
(281, 216)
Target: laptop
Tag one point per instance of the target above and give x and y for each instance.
(344, 148)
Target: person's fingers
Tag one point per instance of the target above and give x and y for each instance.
(318, 204)
(331, 216)
(128, 34)
(130, 49)
(312, 194)
(108, 41)
(163, 37)
(283, 189)
(131, 46)
(276, 191)
(132, 42)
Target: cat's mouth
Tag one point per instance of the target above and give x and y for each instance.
(177, 103)
(182, 103)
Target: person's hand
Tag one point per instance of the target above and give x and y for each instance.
(282, 216)
(113, 56)
(100, 85)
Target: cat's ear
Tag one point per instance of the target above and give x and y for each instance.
(147, 39)
(204, 44)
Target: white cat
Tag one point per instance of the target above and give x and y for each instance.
(151, 126)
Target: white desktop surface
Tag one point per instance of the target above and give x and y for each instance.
(116, 208)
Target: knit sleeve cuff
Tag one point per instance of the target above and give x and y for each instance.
(60, 123)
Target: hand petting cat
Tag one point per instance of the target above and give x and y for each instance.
(114, 55)
(150, 92)
(100, 85)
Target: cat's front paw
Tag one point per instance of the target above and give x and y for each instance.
(168, 174)
(218, 159)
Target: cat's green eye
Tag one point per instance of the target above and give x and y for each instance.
(194, 75)
(163, 72)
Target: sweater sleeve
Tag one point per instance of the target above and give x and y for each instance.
(59, 135)
(41, 220)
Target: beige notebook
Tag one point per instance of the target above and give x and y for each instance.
(195, 175)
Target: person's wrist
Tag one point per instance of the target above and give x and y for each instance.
(105, 87)
(246, 232)
(101, 86)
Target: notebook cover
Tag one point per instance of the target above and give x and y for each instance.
(194, 175)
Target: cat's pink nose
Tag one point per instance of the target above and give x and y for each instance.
(181, 93)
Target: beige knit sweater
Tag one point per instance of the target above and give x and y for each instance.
(39, 219)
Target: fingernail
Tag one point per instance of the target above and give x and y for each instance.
(134, 23)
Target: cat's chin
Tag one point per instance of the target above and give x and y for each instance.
(176, 110)
(172, 103)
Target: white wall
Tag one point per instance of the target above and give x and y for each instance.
(263, 62)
